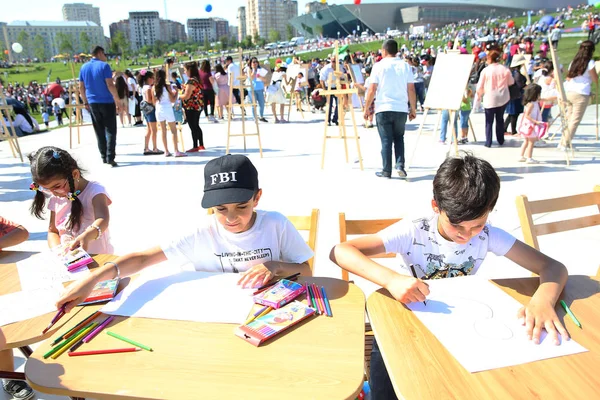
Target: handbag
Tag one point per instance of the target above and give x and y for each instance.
(533, 131)
(146, 107)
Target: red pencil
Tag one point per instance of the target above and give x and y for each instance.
(318, 299)
(106, 351)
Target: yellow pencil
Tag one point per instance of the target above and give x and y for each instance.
(268, 310)
(73, 341)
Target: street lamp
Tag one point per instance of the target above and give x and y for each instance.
(338, 34)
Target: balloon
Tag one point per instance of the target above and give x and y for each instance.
(288, 60)
(5, 51)
(208, 8)
(323, 1)
(510, 24)
(597, 5)
(17, 48)
(357, 2)
(547, 19)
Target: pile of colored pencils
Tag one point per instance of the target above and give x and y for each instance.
(318, 299)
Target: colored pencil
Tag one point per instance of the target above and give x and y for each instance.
(82, 323)
(65, 342)
(61, 337)
(255, 315)
(326, 302)
(268, 285)
(318, 298)
(73, 340)
(312, 298)
(98, 329)
(106, 351)
(307, 295)
(414, 273)
(59, 314)
(265, 312)
(570, 313)
(136, 344)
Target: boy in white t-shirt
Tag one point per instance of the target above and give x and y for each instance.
(453, 242)
(235, 239)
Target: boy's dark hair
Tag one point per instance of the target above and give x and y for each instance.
(466, 188)
(97, 50)
(532, 93)
(390, 46)
(49, 163)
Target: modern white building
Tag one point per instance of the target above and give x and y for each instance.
(263, 16)
(241, 20)
(144, 28)
(81, 12)
(202, 29)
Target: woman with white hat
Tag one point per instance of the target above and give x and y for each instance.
(515, 105)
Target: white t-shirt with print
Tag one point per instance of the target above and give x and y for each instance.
(419, 243)
(392, 77)
(213, 249)
(581, 84)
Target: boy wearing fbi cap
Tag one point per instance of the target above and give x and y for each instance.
(236, 238)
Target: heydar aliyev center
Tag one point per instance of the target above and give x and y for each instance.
(379, 17)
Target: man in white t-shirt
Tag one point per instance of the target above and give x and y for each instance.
(453, 242)
(235, 238)
(392, 84)
(233, 72)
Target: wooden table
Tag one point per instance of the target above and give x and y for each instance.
(322, 358)
(421, 368)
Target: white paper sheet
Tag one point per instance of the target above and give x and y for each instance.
(476, 322)
(21, 306)
(44, 270)
(184, 296)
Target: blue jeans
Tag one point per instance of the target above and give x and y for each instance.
(546, 114)
(379, 381)
(390, 125)
(464, 122)
(420, 91)
(260, 99)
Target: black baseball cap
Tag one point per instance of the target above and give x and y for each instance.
(229, 179)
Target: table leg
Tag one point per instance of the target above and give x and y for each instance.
(26, 351)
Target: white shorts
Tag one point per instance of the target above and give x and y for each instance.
(164, 113)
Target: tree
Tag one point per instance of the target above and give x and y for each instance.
(39, 48)
(274, 36)
(85, 42)
(23, 39)
(119, 44)
(261, 42)
(289, 29)
(206, 44)
(159, 48)
(224, 42)
(247, 42)
(64, 43)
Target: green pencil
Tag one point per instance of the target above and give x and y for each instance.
(570, 313)
(66, 341)
(61, 337)
(128, 340)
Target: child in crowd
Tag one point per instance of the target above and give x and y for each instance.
(46, 118)
(454, 241)
(232, 240)
(57, 114)
(78, 207)
(318, 100)
(549, 93)
(12, 234)
(164, 97)
(299, 90)
(532, 127)
(146, 81)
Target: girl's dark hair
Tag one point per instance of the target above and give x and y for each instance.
(532, 93)
(548, 68)
(219, 69)
(466, 188)
(143, 78)
(50, 163)
(128, 73)
(493, 55)
(121, 86)
(161, 82)
(582, 59)
(205, 66)
(25, 115)
(192, 68)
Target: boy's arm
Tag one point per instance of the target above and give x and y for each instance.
(260, 274)
(18, 235)
(127, 265)
(353, 256)
(540, 313)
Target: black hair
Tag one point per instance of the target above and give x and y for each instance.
(205, 66)
(531, 93)
(390, 46)
(229, 58)
(173, 74)
(49, 163)
(97, 49)
(160, 84)
(548, 68)
(219, 68)
(192, 68)
(121, 85)
(128, 73)
(143, 77)
(27, 117)
(582, 59)
(466, 188)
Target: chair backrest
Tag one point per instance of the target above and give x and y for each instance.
(527, 209)
(363, 227)
(308, 223)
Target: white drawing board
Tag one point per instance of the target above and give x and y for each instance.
(477, 323)
(355, 70)
(448, 81)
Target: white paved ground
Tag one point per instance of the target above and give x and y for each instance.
(155, 198)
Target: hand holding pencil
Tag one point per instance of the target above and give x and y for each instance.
(407, 289)
(259, 275)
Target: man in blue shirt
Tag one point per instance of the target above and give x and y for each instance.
(100, 97)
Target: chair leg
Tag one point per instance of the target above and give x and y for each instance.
(26, 350)
(17, 376)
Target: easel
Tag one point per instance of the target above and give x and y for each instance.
(294, 96)
(562, 102)
(361, 97)
(241, 85)
(10, 135)
(78, 107)
(341, 112)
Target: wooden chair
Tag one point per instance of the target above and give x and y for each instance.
(526, 209)
(364, 227)
(308, 223)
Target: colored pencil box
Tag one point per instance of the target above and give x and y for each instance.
(103, 291)
(269, 325)
(280, 294)
(72, 259)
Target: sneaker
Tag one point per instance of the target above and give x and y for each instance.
(201, 148)
(276, 121)
(113, 164)
(532, 161)
(193, 150)
(263, 119)
(19, 390)
(463, 141)
(167, 154)
(383, 174)
(441, 141)
(180, 154)
(216, 121)
(522, 159)
(401, 172)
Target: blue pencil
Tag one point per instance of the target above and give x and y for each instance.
(326, 301)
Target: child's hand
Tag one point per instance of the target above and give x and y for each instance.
(407, 290)
(76, 293)
(538, 315)
(257, 276)
(80, 241)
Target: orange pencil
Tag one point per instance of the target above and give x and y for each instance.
(319, 299)
(82, 324)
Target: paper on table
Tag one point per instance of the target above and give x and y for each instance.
(184, 296)
(21, 306)
(476, 322)
(44, 270)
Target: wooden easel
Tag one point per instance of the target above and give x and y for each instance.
(361, 97)
(562, 103)
(294, 96)
(241, 85)
(8, 130)
(339, 81)
(78, 107)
